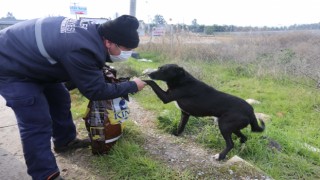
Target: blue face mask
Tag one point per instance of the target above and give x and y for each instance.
(123, 56)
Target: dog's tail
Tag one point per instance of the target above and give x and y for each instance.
(255, 126)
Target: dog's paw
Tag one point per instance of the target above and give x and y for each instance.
(149, 82)
(219, 157)
(175, 133)
(216, 157)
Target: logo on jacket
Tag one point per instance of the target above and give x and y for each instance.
(68, 25)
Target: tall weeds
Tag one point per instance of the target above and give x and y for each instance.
(277, 54)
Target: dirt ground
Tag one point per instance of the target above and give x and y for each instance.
(179, 153)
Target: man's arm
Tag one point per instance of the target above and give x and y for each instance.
(85, 73)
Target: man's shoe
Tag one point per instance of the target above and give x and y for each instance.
(55, 176)
(58, 178)
(74, 144)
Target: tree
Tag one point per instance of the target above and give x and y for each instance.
(209, 30)
(9, 16)
(159, 20)
(195, 27)
(194, 22)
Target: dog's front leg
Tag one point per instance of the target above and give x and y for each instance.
(163, 95)
(183, 121)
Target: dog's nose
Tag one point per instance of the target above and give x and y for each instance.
(148, 71)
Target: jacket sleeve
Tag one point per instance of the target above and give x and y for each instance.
(85, 72)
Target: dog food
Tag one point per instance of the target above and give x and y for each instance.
(105, 119)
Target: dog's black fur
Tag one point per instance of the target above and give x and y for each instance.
(196, 98)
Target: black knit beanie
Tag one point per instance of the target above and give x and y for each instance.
(121, 31)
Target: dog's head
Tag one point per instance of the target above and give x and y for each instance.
(167, 73)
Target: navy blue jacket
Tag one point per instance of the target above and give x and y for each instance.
(77, 48)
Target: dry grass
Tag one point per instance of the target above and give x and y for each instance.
(289, 53)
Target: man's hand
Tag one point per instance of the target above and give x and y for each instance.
(141, 84)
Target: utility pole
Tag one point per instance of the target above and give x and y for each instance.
(75, 5)
(133, 7)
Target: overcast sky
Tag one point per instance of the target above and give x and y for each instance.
(207, 12)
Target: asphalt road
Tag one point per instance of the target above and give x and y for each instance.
(12, 165)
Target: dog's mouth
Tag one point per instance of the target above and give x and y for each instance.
(151, 76)
(149, 72)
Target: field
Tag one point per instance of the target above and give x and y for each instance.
(279, 69)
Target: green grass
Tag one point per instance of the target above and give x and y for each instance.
(127, 160)
(294, 111)
(79, 104)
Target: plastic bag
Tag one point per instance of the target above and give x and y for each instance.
(105, 119)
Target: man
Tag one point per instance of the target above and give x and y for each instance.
(36, 56)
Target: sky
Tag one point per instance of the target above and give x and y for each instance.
(206, 12)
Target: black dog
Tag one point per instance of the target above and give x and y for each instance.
(196, 98)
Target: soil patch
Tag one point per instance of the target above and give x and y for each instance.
(182, 153)
(179, 153)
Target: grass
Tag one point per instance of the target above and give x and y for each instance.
(289, 147)
(79, 104)
(294, 110)
(127, 160)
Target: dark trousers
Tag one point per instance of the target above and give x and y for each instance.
(42, 112)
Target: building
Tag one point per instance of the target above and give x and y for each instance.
(8, 22)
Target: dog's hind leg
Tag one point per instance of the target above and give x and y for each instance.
(229, 144)
(228, 124)
(183, 121)
(242, 137)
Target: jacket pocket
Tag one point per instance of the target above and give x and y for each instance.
(22, 102)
